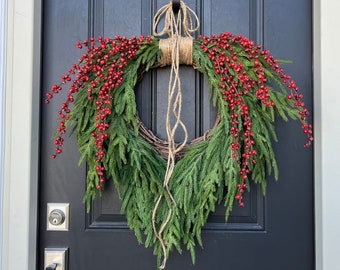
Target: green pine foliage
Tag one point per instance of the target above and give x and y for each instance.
(206, 176)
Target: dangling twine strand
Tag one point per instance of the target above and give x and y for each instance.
(176, 50)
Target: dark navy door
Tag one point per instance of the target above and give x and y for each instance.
(271, 233)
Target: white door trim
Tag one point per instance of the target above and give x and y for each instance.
(19, 212)
(19, 201)
(327, 129)
(3, 21)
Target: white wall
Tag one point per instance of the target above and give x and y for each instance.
(22, 95)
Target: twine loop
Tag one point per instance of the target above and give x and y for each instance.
(176, 50)
(187, 18)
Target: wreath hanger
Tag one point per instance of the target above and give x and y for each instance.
(176, 4)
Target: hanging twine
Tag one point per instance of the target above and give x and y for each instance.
(176, 50)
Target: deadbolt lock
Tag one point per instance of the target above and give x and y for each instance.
(56, 217)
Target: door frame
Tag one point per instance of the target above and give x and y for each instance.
(19, 178)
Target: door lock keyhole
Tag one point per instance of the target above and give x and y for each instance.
(56, 217)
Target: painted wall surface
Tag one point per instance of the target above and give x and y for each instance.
(21, 107)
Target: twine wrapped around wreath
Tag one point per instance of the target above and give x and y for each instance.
(184, 50)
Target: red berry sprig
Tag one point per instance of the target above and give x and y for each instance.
(294, 95)
(99, 72)
(235, 84)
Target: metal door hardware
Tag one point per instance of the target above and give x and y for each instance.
(57, 216)
(52, 266)
(56, 258)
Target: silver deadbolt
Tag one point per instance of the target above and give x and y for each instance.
(56, 217)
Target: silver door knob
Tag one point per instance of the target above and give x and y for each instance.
(56, 217)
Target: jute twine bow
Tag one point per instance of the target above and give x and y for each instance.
(176, 50)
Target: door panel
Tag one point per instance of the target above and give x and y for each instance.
(271, 233)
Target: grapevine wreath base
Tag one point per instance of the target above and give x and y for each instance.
(116, 145)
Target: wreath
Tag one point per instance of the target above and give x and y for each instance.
(247, 86)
